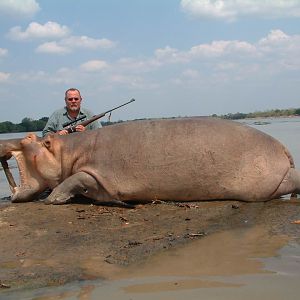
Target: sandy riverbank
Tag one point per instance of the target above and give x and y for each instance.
(52, 245)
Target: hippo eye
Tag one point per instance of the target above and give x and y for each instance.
(85, 191)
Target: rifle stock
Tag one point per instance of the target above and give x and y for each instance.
(96, 117)
(92, 119)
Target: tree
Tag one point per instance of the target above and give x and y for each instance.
(7, 126)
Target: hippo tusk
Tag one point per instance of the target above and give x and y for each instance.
(9, 177)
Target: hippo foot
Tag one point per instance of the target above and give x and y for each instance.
(22, 195)
(77, 184)
(58, 198)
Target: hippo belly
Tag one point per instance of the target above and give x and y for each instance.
(188, 159)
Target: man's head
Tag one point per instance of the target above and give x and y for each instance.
(73, 100)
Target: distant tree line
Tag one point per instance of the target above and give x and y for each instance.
(30, 125)
(262, 114)
(27, 125)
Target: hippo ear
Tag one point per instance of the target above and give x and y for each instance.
(47, 142)
(31, 136)
(28, 139)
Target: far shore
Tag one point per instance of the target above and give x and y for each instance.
(38, 125)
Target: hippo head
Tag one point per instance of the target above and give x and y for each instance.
(38, 165)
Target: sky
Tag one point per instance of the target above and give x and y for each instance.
(176, 58)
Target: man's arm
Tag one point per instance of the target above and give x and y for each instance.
(51, 125)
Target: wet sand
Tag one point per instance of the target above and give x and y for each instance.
(152, 251)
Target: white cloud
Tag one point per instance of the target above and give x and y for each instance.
(88, 43)
(94, 65)
(231, 10)
(231, 60)
(214, 50)
(67, 45)
(38, 31)
(274, 37)
(280, 43)
(281, 50)
(219, 48)
(3, 52)
(137, 65)
(4, 76)
(25, 8)
(166, 52)
(218, 62)
(52, 48)
(170, 54)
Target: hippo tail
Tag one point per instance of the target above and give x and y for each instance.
(291, 181)
(290, 158)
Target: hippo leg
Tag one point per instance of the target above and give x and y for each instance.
(23, 195)
(80, 183)
(290, 184)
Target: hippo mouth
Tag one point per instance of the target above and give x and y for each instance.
(20, 163)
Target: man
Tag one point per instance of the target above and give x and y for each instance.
(70, 112)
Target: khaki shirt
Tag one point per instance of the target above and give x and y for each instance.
(60, 117)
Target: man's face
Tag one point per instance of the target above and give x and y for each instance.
(73, 101)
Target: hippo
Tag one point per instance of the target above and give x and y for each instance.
(180, 159)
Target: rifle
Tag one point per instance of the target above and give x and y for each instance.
(72, 129)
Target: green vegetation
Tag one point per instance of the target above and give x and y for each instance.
(30, 125)
(27, 125)
(262, 114)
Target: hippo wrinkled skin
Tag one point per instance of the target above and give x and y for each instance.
(184, 159)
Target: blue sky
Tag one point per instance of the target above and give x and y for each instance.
(176, 58)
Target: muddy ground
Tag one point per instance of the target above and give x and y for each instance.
(44, 245)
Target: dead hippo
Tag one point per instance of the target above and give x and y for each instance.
(181, 159)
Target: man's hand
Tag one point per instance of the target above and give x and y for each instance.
(63, 132)
(80, 128)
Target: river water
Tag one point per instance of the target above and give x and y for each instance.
(236, 264)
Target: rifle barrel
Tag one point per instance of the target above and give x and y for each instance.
(73, 121)
(119, 106)
(94, 118)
